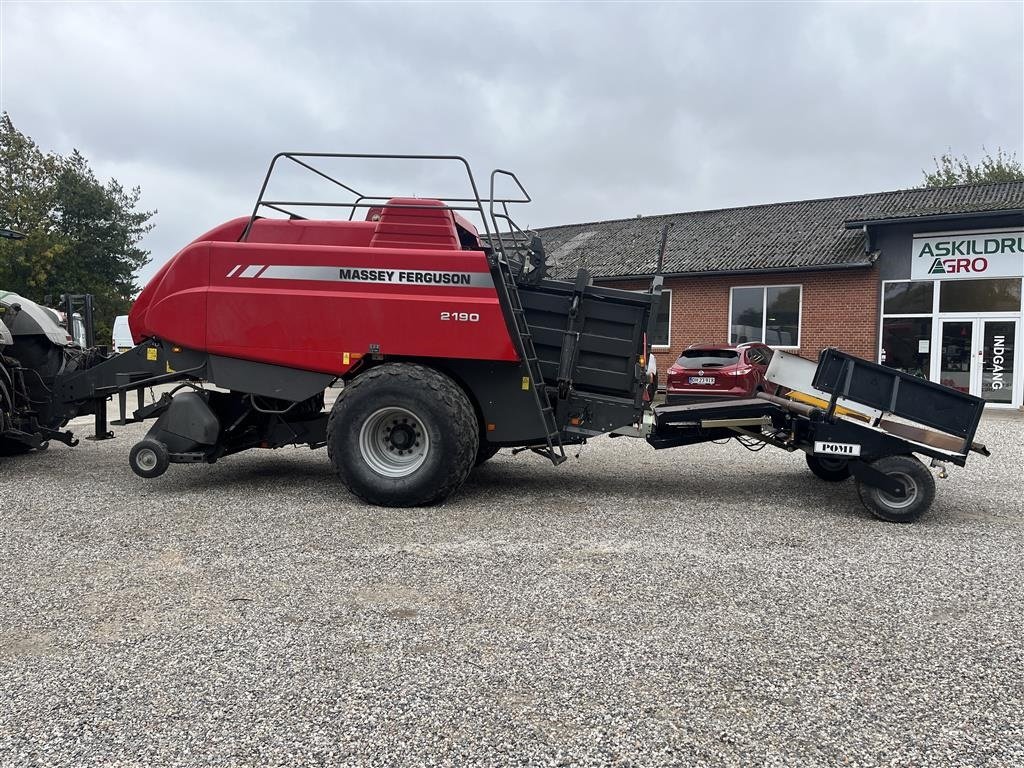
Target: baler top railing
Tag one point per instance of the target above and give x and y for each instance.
(469, 204)
(513, 228)
(515, 241)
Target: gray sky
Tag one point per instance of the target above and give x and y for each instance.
(604, 110)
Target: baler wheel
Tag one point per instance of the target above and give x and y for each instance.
(149, 458)
(13, 447)
(402, 435)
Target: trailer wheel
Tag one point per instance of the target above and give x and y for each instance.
(402, 435)
(485, 453)
(828, 468)
(915, 477)
(149, 458)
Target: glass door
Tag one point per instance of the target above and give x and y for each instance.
(957, 360)
(978, 356)
(998, 358)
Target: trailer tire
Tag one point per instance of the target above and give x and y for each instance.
(829, 469)
(485, 453)
(402, 435)
(149, 458)
(915, 476)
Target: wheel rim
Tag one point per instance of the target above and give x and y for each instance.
(146, 459)
(832, 465)
(394, 442)
(909, 484)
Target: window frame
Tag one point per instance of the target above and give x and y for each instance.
(764, 314)
(937, 318)
(935, 298)
(668, 345)
(882, 315)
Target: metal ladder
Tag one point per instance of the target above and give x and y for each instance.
(554, 449)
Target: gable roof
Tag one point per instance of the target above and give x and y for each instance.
(804, 234)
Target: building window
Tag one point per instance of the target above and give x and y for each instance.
(906, 344)
(980, 295)
(663, 322)
(905, 340)
(911, 297)
(768, 313)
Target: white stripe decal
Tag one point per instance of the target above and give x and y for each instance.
(378, 275)
(232, 272)
(251, 270)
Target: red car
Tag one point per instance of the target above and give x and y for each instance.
(717, 371)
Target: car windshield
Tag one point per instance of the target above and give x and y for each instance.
(707, 358)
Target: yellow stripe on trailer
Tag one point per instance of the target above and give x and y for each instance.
(817, 402)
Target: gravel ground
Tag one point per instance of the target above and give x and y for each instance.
(699, 606)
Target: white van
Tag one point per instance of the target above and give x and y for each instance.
(122, 335)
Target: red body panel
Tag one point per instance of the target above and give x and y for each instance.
(287, 295)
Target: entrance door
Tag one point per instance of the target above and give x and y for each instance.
(957, 359)
(997, 350)
(978, 357)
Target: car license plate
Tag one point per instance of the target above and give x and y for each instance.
(702, 379)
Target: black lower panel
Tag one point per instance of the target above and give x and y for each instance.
(205, 425)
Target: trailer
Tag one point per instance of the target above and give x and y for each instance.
(450, 341)
(871, 425)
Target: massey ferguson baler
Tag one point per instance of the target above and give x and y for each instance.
(451, 342)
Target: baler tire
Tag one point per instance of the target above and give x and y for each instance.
(430, 401)
(485, 453)
(149, 458)
(914, 475)
(13, 448)
(829, 469)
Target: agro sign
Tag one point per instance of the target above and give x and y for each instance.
(967, 256)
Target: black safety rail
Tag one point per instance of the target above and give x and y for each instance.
(474, 204)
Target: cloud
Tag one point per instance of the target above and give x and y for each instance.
(605, 111)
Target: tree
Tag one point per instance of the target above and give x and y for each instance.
(951, 170)
(82, 235)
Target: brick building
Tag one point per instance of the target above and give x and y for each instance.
(925, 280)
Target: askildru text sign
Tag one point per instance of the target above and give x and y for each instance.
(967, 256)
